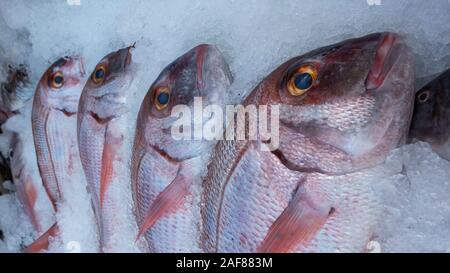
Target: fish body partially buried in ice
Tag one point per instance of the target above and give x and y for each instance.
(166, 172)
(54, 125)
(104, 116)
(343, 108)
(431, 118)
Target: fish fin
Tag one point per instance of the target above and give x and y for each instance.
(109, 152)
(167, 200)
(296, 225)
(42, 242)
(31, 196)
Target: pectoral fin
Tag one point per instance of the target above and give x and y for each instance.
(110, 148)
(297, 224)
(42, 242)
(166, 201)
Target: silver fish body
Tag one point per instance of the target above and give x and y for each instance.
(166, 172)
(54, 124)
(103, 116)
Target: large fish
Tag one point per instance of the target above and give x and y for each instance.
(431, 118)
(166, 171)
(103, 118)
(343, 108)
(54, 124)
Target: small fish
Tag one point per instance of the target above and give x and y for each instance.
(343, 108)
(54, 125)
(166, 172)
(431, 118)
(103, 116)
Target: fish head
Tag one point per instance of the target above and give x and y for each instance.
(345, 95)
(201, 73)
(431, 118)
(108, 84)
(60, 86)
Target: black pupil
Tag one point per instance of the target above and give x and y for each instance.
(163, 98)
(11, 154)
(100, 73)
(423, 97)
(303, 81)
(58, 79)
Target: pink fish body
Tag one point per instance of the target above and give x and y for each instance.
(103, 119)
(342, 108)
(166, 172)
(54, 124)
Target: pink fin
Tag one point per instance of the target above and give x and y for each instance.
(42, 242)
(31, 196)
(296, 225)
(107, 171)
(167, 200)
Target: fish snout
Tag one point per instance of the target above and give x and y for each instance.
(388, 49)
(212, 68)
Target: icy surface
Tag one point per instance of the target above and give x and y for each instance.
(255, 36)
(416, 216)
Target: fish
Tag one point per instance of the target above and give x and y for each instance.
(431, 117)
(166, 171)
(54, 125)
(29, 187)
(103, 115)
(342, 109)
(15, 90)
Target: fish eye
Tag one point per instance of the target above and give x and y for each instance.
(423, 96)
(99, 74)
(11, 153)
(161, 97)
(302, 80)
(56, 80)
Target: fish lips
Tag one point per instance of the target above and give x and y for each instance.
(389, 48)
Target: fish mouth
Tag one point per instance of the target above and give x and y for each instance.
(128, 56)
(77, 62)
(81, 66)
(201, 52)
(387, 52)
(197, 58)
(66, 112)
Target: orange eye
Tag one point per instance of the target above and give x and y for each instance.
(99, 74)
(302, 80)
(161, 97)
(56, 80)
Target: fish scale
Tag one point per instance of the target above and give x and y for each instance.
(167, 172)
(314, 193)
(104, 116)
(53, 121)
